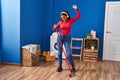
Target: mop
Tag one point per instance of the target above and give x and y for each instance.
(71, 72)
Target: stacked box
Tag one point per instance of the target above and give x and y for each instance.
(90, 54)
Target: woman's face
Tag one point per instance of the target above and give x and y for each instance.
(64, 17)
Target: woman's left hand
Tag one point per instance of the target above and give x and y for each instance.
(54, 27)
(74, 7)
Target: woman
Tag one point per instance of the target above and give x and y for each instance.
(65, 25)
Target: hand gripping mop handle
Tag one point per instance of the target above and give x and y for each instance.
(64, 54)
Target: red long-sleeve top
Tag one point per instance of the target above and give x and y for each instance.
(65, 26)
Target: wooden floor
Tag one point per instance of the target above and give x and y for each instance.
(104, 70)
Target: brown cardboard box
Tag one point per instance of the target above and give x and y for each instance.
(30, 59)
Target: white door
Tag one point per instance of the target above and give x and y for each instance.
(111, 47)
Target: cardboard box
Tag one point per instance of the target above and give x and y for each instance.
(30, 59)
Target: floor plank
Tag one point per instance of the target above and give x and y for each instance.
(102, 70)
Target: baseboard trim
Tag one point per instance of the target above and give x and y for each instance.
(12, 64)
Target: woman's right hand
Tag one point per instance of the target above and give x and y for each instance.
(54, 27)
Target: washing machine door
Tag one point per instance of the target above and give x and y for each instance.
(53, 45)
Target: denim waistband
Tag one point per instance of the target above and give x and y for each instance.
(65, 37)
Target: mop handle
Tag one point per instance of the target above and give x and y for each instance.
(63, 50)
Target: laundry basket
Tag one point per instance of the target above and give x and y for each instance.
(29, 58)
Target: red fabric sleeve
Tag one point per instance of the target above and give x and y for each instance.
(58, 25)
(77, 17)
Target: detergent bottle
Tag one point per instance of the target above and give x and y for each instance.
(93, 33)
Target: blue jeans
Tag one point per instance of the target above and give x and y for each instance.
(66, 41)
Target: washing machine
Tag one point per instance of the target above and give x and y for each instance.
(54, 47)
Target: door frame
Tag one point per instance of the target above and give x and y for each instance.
(105, 28)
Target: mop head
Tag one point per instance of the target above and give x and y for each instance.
(72, 74)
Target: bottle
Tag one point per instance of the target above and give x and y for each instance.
(93, 33)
